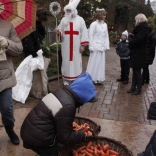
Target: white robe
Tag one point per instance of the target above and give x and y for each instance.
(98, 44)
(71, 56)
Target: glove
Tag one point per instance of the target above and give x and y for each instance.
(3, 42)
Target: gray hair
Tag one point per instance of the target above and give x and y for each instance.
(140, 18)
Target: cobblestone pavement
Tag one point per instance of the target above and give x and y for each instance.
(122, 116)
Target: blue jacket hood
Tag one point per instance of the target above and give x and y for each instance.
(84, 88)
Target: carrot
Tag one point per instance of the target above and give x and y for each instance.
(82, 151)
(89, 151)
(112, 155)
(95, 151)
(105, 147)
(92, 147)
(89, 145)
(88, 154)
(81, 148)
(114, 152)
(107, 152)
(75, 153)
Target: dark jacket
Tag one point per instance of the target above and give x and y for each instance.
(33, 42)
(122, 49)
(49, 127)
(151, 47)
(138, 45)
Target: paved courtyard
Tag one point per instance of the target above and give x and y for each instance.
(122, 116)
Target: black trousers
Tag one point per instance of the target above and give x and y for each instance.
(125, 69)
(136, 79)
(146, 74)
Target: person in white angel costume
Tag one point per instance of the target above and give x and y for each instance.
(98, 45)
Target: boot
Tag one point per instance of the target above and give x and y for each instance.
(131, 90)
(12, 135)
(136, 92)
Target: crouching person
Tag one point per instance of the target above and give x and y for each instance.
(50, 121)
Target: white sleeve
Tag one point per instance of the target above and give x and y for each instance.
(107, 39)
(91, 36)
(84, 33)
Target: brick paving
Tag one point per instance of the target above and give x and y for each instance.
(114, 102)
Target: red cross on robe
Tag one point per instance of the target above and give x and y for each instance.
(71, 34)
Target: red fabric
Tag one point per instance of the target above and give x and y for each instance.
(71, 33)
(67, 77)
(11, 11)
(85, 43)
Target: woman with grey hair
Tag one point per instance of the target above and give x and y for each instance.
(138, 45)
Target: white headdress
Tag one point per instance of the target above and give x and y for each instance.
(72, 5)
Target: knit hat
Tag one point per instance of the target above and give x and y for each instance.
(72, 5)
(84, 88)
(125, 33)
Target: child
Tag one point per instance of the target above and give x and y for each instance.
(124, 52)
(49, 123)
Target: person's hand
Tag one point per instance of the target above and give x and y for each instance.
(3, 42)
(82, 48)
(56, 31)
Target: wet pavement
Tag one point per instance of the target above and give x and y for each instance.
(122, 116)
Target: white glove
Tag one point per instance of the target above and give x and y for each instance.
(3, 42)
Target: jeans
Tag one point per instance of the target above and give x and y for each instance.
(6, 107)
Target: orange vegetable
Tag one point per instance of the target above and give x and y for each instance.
(95, 151)
(89, 151)
(81, 148)
(105, 147)
(114, 152)
(75, 153)
(107, 152)
(88, 154)
(89, 145)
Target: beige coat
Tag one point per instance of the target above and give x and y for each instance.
(7, 74)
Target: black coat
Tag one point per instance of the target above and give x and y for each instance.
(41, 128)
(151, 47)
(33, 42)
(138, 45)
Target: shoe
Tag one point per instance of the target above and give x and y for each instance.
(12, 135)
(119, 80)
(99, 82)
(95, 82)
(136, 92)
(131, 90)
(94, 99)
(125, 82)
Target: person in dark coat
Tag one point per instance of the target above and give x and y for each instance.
(50, 121)
(123, 51)
(150, 55)
(138, 45)
(33, 42)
